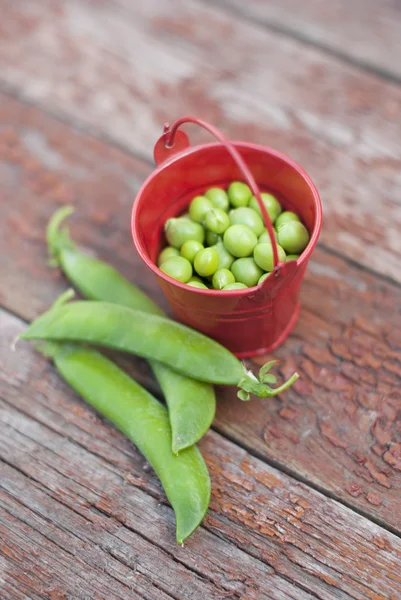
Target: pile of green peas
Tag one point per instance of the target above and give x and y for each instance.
(221, 243)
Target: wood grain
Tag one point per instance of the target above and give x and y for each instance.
(82, 516)
(122, 68)
(338, 428)
(363, 31)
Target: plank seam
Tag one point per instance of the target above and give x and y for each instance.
(76, 124)
(314, 486)
(116, 470)
(290, 32)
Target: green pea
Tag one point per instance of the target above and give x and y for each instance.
(265, 237)
(206, 262)
(293, 237)
(212, 238)
(180, 230)
(218, 198)
(225, 258)
(246, 271)
(271, 203)
(240, 240)
(178, 268)
(221, 278)
(285, 217)
(144, 420)
(235, 286)
(239, 194)
(197, 284)
(247, 216)
(166, 253)
(264, 276)
(292, 257)
(263, 255)
(217, 220)
(190, 249)
(199, 207)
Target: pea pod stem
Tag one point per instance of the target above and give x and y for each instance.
(191, 403)
(134, 411)
(250, 386)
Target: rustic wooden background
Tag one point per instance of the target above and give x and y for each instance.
(306, 488)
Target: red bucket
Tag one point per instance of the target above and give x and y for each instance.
(247, 321)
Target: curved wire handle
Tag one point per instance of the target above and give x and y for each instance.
(169, 135)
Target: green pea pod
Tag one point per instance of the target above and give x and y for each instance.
(150, 336)
(191, 403)
(144, 420)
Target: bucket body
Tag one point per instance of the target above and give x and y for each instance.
(247, 321)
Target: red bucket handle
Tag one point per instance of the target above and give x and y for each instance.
(169, 135)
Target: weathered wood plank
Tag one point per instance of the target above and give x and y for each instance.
(76, 493)
(88, 568)
(82, 61)
(49, 568)
(338, 428)
(364, 31)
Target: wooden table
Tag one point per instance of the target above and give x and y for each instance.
(306, 499)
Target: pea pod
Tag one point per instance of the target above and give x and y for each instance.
(153, 337)
(135, 412)
(191, 403)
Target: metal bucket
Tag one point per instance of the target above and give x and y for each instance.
(247, 321)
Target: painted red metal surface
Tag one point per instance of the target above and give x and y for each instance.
(250, 321)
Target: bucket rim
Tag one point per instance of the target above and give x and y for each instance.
(304, 257)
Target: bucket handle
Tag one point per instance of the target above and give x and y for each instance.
(169, 136)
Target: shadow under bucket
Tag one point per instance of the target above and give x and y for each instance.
(247, 321)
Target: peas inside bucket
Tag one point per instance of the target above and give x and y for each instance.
(242, 246)
(248, 320)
